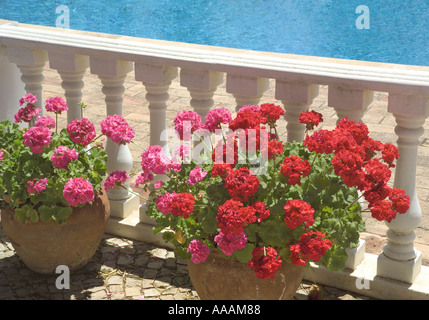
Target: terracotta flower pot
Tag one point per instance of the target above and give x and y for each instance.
(220, 278)
(43, 246)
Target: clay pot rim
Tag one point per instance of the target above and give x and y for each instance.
(98, 194)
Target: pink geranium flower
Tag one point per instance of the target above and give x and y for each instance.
(196, 175)
(215, 117)
(116, 128)
(46, 121)
(37, 186)
(37, 138)
(81, 131)
(27, 113)
(199, 250)
(158, 184)
(155, 161)
(187, 122)
(116, 177)
(62, 156)
(56, 104)
(78, 190)
(183, 151)
(163, 202)
(28, 98)
(230, 242)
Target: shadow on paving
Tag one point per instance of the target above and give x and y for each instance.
(119, 270)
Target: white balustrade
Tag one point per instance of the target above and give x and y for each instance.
(296, 98)
(71, 69)
(348, 102)
(202, 85)
(248, 75)
(112, 74)
(157, 80)
(11, 87)
(31, 63)
(246, 90)
(400, 260)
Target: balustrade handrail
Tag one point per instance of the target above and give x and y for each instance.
(368, 76)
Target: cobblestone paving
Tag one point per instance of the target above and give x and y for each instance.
(121, 269)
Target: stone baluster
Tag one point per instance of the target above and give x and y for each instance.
(296, 98)
(11, 87)
(112, 74)
(157, 80)
(31, 63)
(400, 260)
(246, 90)
(201, 85)
(71, 69)
(351, 103)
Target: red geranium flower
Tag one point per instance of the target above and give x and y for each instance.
(275, 148)
(271, 111)
(261, 210)
(348, 165)
(321, 141)
(247, 119)
(226, 152)
(382, 210)
(400, 200)
(297, 213)
(220, 169)
(250, 139)
(311, 119)
(376, 174)
(233, 216)
(241, 183)
(182, 205)
(311, 246)
(293, 168)
(389, 154)
(358, 130)
(265, 262)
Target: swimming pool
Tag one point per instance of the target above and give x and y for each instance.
(398, 30)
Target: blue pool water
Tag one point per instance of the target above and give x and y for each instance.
(398, 30)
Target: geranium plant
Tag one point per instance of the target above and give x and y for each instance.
(264, 201)
(45, 173)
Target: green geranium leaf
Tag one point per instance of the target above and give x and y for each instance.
(208, 221)
(244, 255)
(335, 258)
(26, 213)
(62, 214)
(46, 213)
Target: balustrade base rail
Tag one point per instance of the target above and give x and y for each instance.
(365, 281)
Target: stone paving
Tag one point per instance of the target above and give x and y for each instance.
(121, 269)
(124, 269)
